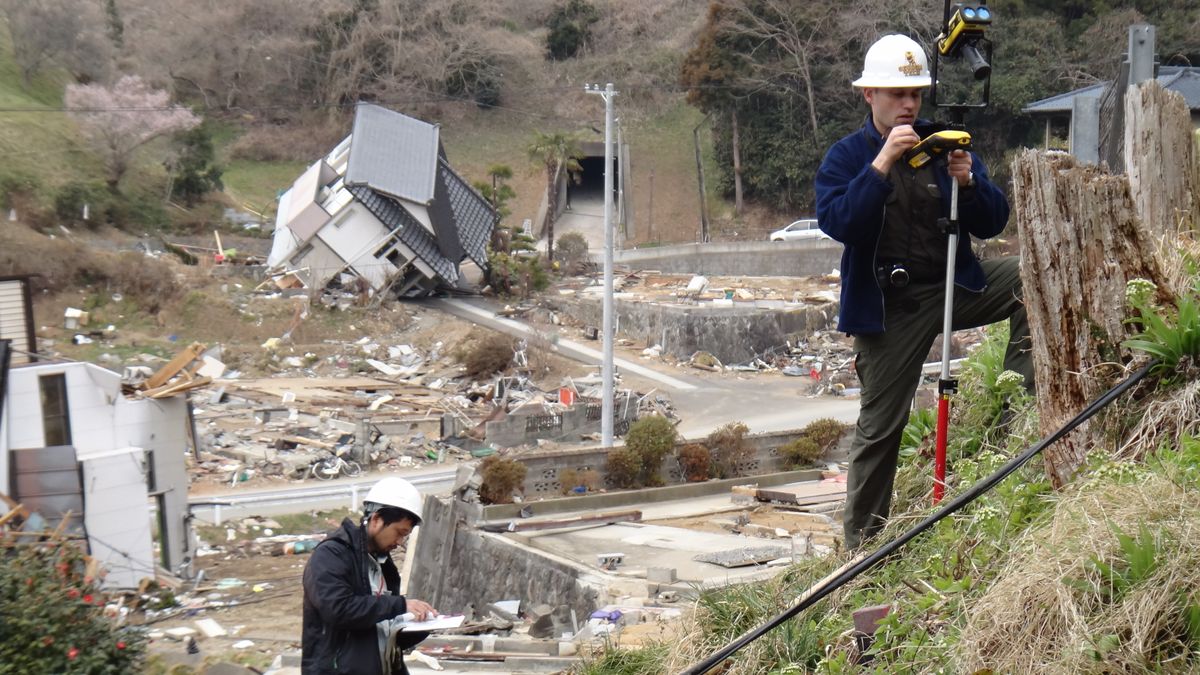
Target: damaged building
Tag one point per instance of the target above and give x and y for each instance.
(383, 210)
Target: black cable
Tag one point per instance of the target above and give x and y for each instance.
(984, 485)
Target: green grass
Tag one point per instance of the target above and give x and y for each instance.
(255, 185)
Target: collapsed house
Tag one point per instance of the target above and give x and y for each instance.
(74, 446)
(383, 209)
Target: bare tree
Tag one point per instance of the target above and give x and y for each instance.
(118, 120)
(59, 32)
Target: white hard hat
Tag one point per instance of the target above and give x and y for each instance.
(895, 61)
(395, 492)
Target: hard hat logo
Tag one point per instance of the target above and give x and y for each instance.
(912, 68)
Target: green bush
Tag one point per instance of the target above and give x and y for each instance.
(801, 452)
(825, 432)
(652, 438)
(198, 173)
(519, 275)
(571, 250)
(70, 199)
(18, 188)
(502, 477)
(52, 614)
(729, 449)
(624, 468)
(695, 461)
(570, 29)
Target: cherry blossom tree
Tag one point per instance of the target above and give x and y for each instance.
(117, 120)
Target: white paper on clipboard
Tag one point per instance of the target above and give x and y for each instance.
(440, 623)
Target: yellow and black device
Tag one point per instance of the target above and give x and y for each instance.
(935, 144)
(966, 22)
(963, 35)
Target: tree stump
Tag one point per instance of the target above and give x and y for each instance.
(1160, 159)
(1084, 234)
(1081, 240)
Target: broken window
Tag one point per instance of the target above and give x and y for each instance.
(56, 420)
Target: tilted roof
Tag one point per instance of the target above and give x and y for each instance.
(393, 153)
(472, 214)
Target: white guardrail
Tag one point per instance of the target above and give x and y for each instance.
(304, 495)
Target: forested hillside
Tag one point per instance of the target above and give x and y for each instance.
(275, 80)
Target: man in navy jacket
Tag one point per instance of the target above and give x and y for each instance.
(893, 271)
(353, 609)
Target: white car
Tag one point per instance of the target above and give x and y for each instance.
(805, 228)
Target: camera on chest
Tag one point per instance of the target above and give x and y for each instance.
(892, 275)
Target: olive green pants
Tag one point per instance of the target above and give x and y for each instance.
(889, 367)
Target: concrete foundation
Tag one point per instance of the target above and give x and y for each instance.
(732, 334)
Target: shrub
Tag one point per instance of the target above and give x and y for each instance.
(729, 449)
(502, 476)
(571, 479)
(52, 615)
(801, 452)
(473, 74)
(624, 467)
(515, 274)
(487, 355)
(70, 199)
(695, 461)
(570, 28)
(652, 438)
(825, 432)
(198, 173)
(571, 250)
(18, 188)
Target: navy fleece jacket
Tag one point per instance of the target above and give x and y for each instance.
(851, 197)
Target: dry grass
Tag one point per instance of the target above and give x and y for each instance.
(1054, 609)
(1164, 419)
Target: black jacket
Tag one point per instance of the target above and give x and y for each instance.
(341, 609)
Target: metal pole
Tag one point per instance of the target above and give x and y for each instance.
(606, 415)
(700, 175)
(946, 386)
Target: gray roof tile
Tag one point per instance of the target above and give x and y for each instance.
(412, 233)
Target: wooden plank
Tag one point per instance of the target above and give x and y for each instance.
(177, 388)
(810, 493)
(181, 360)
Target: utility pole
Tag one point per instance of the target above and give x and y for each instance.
(700, 175)
(606, 373)
(621, 184)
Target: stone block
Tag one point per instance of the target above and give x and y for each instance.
(661, 575)
(541, 621)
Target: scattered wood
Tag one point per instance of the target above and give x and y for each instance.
(175, 365)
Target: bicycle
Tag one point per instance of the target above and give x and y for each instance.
(333, 466)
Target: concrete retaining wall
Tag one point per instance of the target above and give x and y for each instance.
(544, 468)
(750, 258)
(457, 565)
(732, 334)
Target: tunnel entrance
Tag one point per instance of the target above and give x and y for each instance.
(590, 189)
